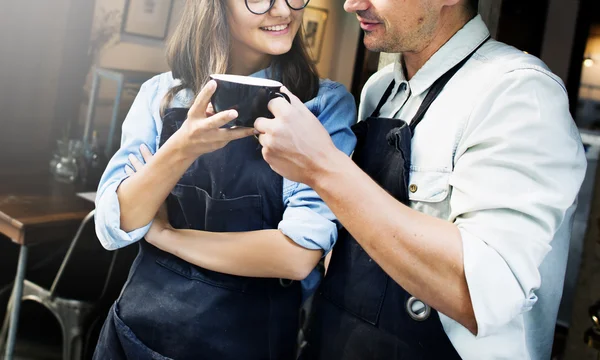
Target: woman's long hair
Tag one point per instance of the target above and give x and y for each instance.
(200, 47)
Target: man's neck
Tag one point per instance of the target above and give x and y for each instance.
(450, 24)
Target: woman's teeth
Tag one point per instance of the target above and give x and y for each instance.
(275, 28)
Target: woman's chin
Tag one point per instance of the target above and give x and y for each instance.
(278, 50)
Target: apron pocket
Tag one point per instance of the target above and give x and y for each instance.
(131, 345)
(354, 282)
(193, 208)
(203, 212)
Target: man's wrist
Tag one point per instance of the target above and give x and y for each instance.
(329, 169)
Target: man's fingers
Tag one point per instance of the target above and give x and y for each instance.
(128, 170)
(200, 105)
(279, 106)
(293, 98)
(262, 125)
(146, 154)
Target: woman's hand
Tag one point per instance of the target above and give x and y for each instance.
(201, 133)
(160, 223)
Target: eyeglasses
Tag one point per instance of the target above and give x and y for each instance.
(259, 7)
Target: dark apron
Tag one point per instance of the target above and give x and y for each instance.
(171, 309)
(360, 312)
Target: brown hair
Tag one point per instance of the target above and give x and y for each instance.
(200, 47)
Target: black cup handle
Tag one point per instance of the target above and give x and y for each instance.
(276, 94)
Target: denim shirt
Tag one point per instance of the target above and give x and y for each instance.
(306, 219)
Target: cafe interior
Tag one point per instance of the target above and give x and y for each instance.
(70, 70)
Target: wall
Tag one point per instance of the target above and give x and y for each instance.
(132, 52)
(338, 53)
(559, 36)
(126, 52)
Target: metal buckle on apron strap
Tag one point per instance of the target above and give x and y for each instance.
(417, 310)
(285, 282)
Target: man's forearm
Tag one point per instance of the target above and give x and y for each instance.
(262, 253)
(141, 194)
(420, 252)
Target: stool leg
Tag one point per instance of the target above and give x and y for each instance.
(16, 306)
(4, 329)
(72, 344)
(72, 323)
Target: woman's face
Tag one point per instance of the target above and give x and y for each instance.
(256, 36)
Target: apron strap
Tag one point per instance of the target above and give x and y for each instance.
(437, 88)
(433, 93)
(384, 98)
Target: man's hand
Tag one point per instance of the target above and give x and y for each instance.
(295, 143)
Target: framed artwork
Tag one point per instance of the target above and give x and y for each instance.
(147, 18)
(315, 20)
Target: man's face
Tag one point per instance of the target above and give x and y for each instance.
(396, 26)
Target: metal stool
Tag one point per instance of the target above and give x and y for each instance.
(72, 315)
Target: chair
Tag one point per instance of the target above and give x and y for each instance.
(74, 314)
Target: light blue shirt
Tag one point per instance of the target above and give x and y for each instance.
(306, 219)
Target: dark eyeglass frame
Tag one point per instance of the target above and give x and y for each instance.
(271, 6)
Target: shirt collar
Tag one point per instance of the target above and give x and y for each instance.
(451, 53)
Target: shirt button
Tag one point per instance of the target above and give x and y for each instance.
(413, 188)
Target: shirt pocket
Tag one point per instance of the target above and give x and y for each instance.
(429, 192)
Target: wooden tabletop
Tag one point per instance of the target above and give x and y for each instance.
(38, 208)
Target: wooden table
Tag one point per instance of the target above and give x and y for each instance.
(35, 209)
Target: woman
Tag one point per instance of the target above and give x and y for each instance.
(206, 283)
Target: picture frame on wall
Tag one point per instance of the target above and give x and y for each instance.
(314, 22)
(147, 18)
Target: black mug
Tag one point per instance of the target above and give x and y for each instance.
(249, 96)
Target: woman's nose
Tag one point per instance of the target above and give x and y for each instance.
(280, 9)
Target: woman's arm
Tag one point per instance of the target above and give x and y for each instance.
(262, 253)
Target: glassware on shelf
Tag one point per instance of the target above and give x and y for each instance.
(64, 164)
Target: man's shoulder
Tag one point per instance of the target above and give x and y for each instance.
(498, 59)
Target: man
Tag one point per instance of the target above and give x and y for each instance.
(456, 230)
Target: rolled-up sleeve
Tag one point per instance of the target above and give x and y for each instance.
(518, 169)
(307, 220)
(138, 128)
